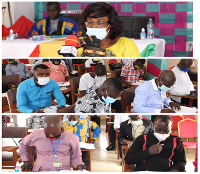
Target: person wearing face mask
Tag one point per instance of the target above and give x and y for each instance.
(80, 127)
(100, 100)
(132, 128)
(58, 72)
(34, 94)
(101, 20)
(91, 63)
(55, 148)
(158, 151)
(93, 80)
(150, 96)
(15, 67)
(132, 72)
(183, 84)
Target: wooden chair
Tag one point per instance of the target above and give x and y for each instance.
(9, 153)
(125, 149)
(74, 84)
(5, 106)
(116, 143)
(12, 100)
(127, 97)
(116, 73)
(11, 80)
(109, 122)
(81, 69)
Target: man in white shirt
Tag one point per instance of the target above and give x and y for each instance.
(93, 80)
(183, 84)
(91, 63)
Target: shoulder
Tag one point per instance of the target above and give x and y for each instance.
(53, 83)
(144, 85)
(125, 123)
(26, 82)
(65, 19)
(125, 40)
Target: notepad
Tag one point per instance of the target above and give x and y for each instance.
(61, 84)
(86, 145)
(185, 109)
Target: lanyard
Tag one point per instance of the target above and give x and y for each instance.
(56, 148)
(134, 131)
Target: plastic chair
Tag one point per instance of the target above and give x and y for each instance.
(189, 116)
(175, 119)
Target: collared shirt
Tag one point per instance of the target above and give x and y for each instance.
(57, 72)
(131, 74)
(20, 69)
(68, 150)
(82, 129)
(137, 130)
(149, 99)
(31, 97)
(118, 119)
(91, 103)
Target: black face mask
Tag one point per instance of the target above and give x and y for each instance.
(56, 62)
(53, 138)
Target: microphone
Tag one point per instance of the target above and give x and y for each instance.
(70, 47)
(91, 49)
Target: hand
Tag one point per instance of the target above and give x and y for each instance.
(193, 92)
(91, 141)
(59, 108)
(174, 105)
(125, 142)
(80, 41)
(144, 67)
(167, 111)
(174, 170)
(38, 111)
(155, 149)
(81, 167)
(27, 166)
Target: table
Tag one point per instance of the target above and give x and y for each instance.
(22, 48)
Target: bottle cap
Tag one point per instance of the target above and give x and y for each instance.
(143, 30)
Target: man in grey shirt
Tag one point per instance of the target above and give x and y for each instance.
(15, 67)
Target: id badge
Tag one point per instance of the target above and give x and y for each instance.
(57, 164)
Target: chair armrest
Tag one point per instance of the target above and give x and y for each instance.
(9, 148)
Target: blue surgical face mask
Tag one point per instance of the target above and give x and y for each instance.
(73, 123)
(183, 68)
(108, 99)
(100, 33)
(163, 88)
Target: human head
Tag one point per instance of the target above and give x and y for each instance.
(73, 119)
(139, 63)
(102, 12)
(53, 10)
(167, 78)
(56, 61)
(112, 87)
(52, 126)
(135, 117)
(100, 70)
(41, 72)
(185, 64)
(11, 61)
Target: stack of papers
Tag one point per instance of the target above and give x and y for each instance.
(61, 84)
(138, 82)
(86, 145)
(185, 109)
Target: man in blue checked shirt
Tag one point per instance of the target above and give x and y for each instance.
(34, 94)
(80, 127)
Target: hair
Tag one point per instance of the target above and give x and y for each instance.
(115, 83)
(100, 68)
(186, 61)
(164, 118)
(53, 3)
(141, 60)
(102, 9)
(42, 66)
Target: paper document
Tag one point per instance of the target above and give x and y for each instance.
(86, 145)
(63, 84)
(185, 109)
(138, 82)
(4, 94)
(51, 109)
(74, 72)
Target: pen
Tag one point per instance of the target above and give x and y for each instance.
(168, 106)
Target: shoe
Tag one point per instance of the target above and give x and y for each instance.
(110, 148)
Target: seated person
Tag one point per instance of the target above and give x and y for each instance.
(37, 62)
(15, 67)
(53, 144)
(132, 128)
(54, 24)
(99, 101)
(118, 119)
(150, 96)
(91, 63)
(132, 72)
(183, 84)
(35, 93)
(93, 80)
(58, 72)
(158, 151)
(80, 127)
(100, 19)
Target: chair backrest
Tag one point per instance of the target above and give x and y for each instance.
(25, 61)
(127, 97)
(14, 132)
(189, 116)
(81, 69)
(176, 119)
(74, 84)
(116, 73)
(12, 100)
(112, 61)
(187, 128)
(11, 80)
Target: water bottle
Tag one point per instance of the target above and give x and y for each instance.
(39, 37)
(11, 35)
(142, 34)
(150, 29)
(18, 167)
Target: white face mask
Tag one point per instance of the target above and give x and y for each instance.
(43, 80)
(136, 122)
(100, 33)
(99, 80)
(161, 137)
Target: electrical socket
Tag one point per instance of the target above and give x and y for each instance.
(189, 46)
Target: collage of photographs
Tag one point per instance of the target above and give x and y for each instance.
(125, 101)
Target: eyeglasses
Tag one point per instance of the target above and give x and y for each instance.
(97, 24)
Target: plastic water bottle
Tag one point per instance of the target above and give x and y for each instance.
(11, 35)
(143, 34)
(150, 29)
(39, 37)
(18, 167)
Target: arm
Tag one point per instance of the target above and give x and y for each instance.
(144, 76)
(67, 76)
(57, 93)
(122, 134)
(123, 79)
(83, 85)
(95, 128)
(8, 70)
(33, 30)
(26, 71)
(83, 92)
(123, 76)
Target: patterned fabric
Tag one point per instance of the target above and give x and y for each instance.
(137, 130)
(36, 122)
(82, 129)
(131, 74)
(91, 103)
